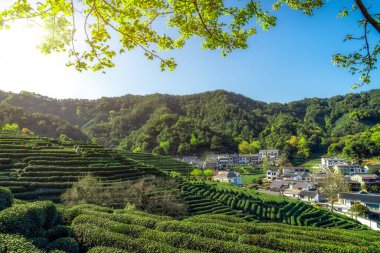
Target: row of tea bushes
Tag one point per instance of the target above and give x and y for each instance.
(130, 231)
(258, 206)
(34, 227)
(45, 173)
(47, 227)
(163, 163)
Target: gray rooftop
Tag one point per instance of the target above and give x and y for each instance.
(366, 198)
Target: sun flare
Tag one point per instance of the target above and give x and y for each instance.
(23, 66)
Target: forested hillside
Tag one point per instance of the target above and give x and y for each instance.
(217, 121)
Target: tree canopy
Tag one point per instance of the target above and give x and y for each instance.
(222, 25)
(217, 121)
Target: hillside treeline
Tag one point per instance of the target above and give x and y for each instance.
(212, 121)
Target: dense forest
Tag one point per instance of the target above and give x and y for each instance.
(217, 121)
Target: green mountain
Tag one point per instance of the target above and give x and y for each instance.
(216, 121)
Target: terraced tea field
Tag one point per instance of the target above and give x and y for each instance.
(217, 198)
(41, 168)
(163, 163)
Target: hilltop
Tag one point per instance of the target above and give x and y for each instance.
(210, 121)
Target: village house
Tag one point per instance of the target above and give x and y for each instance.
(273, 173)
(229, 177)
(311, 196)
(304, 186)
(371, 201)
(349, 169)
(304, 176)
(291, 193)
(270, 154)
(223, 161)
(193, 161)
(330, 162)
(248, 158)
(367, 179)
(188, 159)
(278, 185)
(305, 195)
(291, 171)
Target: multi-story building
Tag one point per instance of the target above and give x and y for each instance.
(270, 154)
(367, 179)
(371, 201)
(273, 173)
(349, 169)
(330, 162)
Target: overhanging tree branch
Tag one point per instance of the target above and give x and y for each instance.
(367, 15)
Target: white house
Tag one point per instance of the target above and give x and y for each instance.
(311, 196)
(273, 173)
(304, 186)
(271, 154)
(371, 201)
(329, 162)
(349, 169)
(304, 176)
(229, 177)
(247, 158)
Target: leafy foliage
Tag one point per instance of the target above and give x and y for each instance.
(219, 24)
(6, 198)
(218, 121)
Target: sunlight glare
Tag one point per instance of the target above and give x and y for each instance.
(24, 67)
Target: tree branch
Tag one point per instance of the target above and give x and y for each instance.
(368, 17)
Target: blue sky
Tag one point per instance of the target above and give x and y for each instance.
(290, 62)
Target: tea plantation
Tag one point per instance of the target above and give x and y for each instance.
(221, 217)
(43, 226)
(164, 163)
(42, 169)
(218, 198)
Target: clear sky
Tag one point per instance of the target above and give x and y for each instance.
(290, 62)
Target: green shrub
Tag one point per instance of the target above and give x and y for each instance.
(16, 244)
(66, 244)
(107, 250)
(58, 232)
(114, 226)
(40, 242)
(29, 219)
(92, 236)
(6, 198)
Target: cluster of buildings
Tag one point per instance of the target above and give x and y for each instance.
(341, 166)
(223, 161)
(296, 182)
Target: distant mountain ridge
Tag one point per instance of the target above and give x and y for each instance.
(215, 120)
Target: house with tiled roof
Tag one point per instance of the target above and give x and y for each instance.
(367, 179)
(371, 201)
(229, 177)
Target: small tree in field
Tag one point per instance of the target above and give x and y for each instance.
(208, 173)
(358, 209)
(333, 185)
(197, 173)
